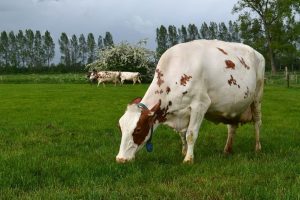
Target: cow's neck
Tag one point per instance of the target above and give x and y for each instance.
(152, 97)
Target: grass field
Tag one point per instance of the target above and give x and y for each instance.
(59, 141)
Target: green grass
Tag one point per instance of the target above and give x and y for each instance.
(59, 141)
(43, 78)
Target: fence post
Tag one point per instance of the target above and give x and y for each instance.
(288, 79)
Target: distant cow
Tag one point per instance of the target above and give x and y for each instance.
(130, 76)
(105, 76)
(219, 81)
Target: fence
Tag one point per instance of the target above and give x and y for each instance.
(283, 78)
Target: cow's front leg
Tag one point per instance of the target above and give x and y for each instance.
(197, 115)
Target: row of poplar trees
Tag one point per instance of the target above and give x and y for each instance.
(171, 35)
(29, 49)
(81, 51)
(26, 49)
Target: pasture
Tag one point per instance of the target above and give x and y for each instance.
(59, 141)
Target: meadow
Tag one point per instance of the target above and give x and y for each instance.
(58, 140)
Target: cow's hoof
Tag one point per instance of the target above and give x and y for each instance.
(188, 160)
(227, 151)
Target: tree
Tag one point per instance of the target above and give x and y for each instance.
(91, 48)
(64, 47)
(49, 47)
(82, 49)
(161, 40)
(100, 42)
(204, 31)
(233, 30)
(213, 30)
(74, 48)
(13, 50)
(269, 13)
(108, 40)
(21, 44)
(183, 34)
(29, 35)
(38, 50)
(4, 48)
(172, 36)
(223, 33)
(193, 33)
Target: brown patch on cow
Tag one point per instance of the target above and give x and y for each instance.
(161, 114)
(231, 81)
(146, 121)
(184, 93)
(168, 89)
(229, 64)
(244, 63)
(170, 103)
(144, 124)
(222, 50)
(184, 79)
(159, 91)
(246, 93)
(160, 81)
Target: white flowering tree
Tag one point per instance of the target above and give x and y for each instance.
(125, 57)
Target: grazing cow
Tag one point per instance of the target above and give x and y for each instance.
(105, 76)
(216, 80)
(130, 76)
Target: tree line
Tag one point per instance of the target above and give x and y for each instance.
(26, 49)
(29, 51)
(167, 37)
(270, 26)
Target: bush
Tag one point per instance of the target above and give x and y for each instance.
(126, 57)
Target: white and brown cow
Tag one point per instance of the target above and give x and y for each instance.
(216, 80)
(105, 76)
(130, 76)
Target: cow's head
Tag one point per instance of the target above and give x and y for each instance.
(93, 75)
(136, 125)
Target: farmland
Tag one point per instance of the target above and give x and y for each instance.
(59, 139)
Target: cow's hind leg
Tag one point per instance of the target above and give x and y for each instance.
(184, 143)
(231, 132)
(256, 112)
(197, 114)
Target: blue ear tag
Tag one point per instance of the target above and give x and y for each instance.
(149, 146)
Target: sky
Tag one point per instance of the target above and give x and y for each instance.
(127, 20)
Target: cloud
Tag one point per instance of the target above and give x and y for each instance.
(139, 24)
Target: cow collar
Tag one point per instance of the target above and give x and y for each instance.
(149, 145)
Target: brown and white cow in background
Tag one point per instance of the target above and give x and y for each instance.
(130, 76)
(105, 76)
(216, 80)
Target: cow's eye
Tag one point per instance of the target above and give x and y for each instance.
(138, 130)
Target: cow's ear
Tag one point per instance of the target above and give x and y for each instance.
(136, 101)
